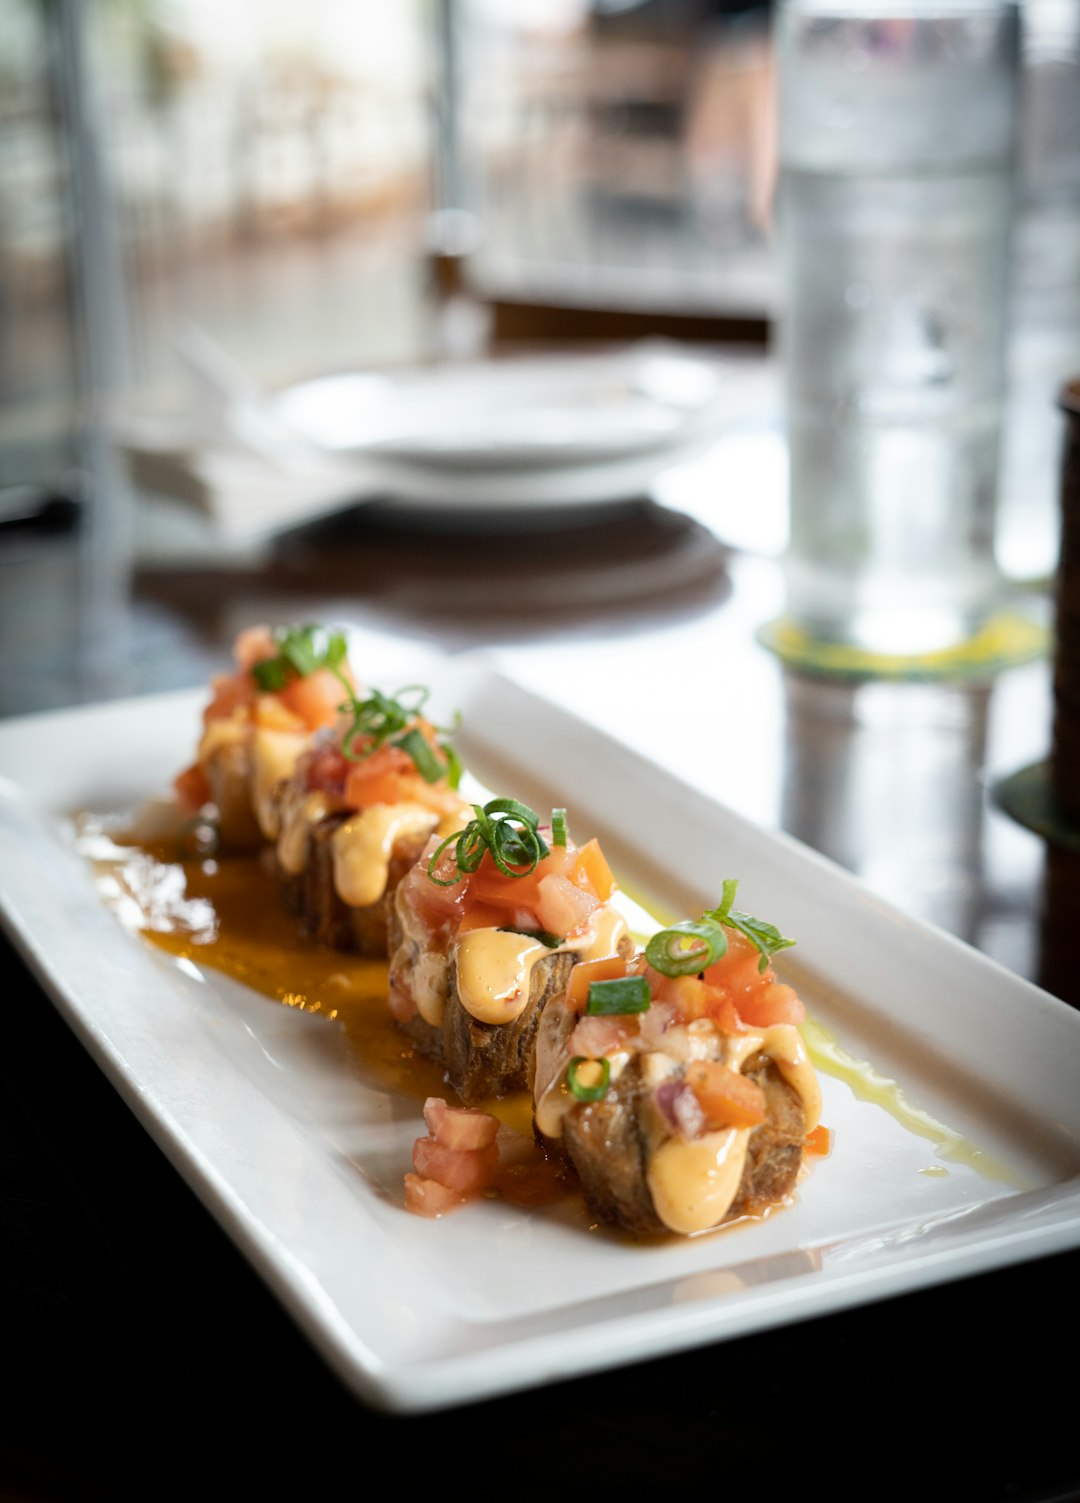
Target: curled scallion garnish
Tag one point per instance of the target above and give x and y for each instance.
(578, 1087)
(503, 829)
(686, 948)
(384, 719)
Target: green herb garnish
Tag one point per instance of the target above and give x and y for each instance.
(389, 720)
(584, 1092)
(301, 651)
(693, 946)
(558, 827)
(505, 830)
(624, 994)
(766, 938)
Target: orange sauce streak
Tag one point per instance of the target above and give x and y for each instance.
(227, 914)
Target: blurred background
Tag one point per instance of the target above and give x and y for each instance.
(345, 184)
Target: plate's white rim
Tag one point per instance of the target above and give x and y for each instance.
(1049, 1222)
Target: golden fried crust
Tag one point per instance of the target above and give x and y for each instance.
(313, 896)
(228, 772)
(494, 1059)
(606, 1143)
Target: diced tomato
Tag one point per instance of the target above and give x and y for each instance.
(192, 788)
(586, 972)
(759, 998)
(488, 885)
(326, 768)
(727, 1098)
(459, 1126)
(772, 1004)
(252, 646)
(818, 1140)
(737, 970)
(316, 699)
(693, 998)
(563, 905)
(228, 692)
(387, 776)
(426, 1197)
(466, 1170)
(436, 907)
(487, 916)
(594, 1037)
(592, 872)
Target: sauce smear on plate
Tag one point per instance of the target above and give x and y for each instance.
(226, 913)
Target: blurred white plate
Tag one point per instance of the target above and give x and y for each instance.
(511, 414)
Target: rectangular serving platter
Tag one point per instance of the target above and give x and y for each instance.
(968, 1161)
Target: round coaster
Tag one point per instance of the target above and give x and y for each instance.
(1004, 642)
(1026, 796)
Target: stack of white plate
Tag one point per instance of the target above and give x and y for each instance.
(521, 433)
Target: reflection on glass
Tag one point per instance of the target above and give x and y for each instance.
(884, 779)
(620, 153)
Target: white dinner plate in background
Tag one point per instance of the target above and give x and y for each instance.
(506, 414)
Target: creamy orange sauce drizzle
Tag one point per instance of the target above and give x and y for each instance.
(227, 914)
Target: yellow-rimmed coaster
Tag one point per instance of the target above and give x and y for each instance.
(1006, 641)
(1026, 796)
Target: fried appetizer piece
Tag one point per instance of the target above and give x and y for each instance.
(486, 932)
(287, 685)
(681, 1090)
(356, 814)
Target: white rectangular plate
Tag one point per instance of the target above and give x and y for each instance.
(264, 1111)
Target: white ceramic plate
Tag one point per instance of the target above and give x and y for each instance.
(265, 1112)
(503, 415)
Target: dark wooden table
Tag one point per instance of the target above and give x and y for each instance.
(144, 1359)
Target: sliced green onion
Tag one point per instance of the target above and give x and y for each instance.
(382, 718)
(686, 948)
(424, 759)
(624, 994)
(558, 827)
(584, 1092)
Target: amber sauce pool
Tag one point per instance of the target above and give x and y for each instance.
(227, 914)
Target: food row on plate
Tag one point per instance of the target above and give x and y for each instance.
(666, 1071)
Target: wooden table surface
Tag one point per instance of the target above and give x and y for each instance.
(144, 1359)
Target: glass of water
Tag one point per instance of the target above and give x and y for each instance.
(897, 156)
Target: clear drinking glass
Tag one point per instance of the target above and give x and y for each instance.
(897, 165)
